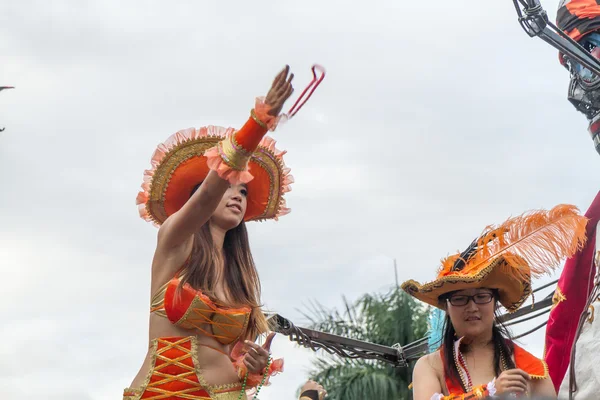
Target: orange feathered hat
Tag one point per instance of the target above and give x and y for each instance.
(180, 163)
(505, 257)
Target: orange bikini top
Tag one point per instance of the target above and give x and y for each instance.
(191, 309)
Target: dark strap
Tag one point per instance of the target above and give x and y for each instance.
(312, 394)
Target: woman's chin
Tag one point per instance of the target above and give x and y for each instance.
(227, 222)
(472, 332)
(232, 223)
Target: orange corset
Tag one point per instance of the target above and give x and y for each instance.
(191, 309)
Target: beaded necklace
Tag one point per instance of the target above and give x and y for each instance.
(261, 383)
(461, 366)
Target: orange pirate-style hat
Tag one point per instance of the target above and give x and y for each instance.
(505, 257)
(181, 163)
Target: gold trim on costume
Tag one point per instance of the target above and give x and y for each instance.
(230, 391)
(229, 395)
(270, 163)
(216, 392)
(201, 315)
(157, 303)
(546, 372)
(140, 389)
(196, 362)
(558, 297)
(160, 180)
(233, 154)
(257, 120)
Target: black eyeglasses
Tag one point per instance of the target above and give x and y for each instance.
(479, 298)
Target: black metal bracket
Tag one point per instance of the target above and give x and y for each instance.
(339, 345)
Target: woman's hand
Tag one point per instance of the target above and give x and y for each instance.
(512, 381)
(257, 357)
(280, 91)
(309, 389)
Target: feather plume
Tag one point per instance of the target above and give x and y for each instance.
(435, 332)
(541, 239)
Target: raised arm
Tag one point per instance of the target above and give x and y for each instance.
(181, 225)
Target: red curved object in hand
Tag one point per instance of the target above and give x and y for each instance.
(308, 91)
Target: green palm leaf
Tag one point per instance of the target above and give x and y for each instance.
(390, 318)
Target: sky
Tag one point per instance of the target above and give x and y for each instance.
(435, 119)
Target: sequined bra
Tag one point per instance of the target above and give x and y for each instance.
(191, 309)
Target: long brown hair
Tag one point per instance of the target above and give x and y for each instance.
(240, 277)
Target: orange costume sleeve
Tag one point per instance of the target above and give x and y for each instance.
(231, 156)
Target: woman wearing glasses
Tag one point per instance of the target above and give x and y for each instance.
(475, 356)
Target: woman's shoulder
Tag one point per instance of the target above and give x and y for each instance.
(428, 376)
(431, 362)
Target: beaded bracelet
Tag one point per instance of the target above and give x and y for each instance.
(261, 383)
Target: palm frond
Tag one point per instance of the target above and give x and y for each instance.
(387, 319)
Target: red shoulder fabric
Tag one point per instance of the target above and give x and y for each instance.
(570, 299)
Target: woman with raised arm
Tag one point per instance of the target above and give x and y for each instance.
(475, 356)
(205, 311)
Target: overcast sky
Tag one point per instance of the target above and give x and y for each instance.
(436, 118)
